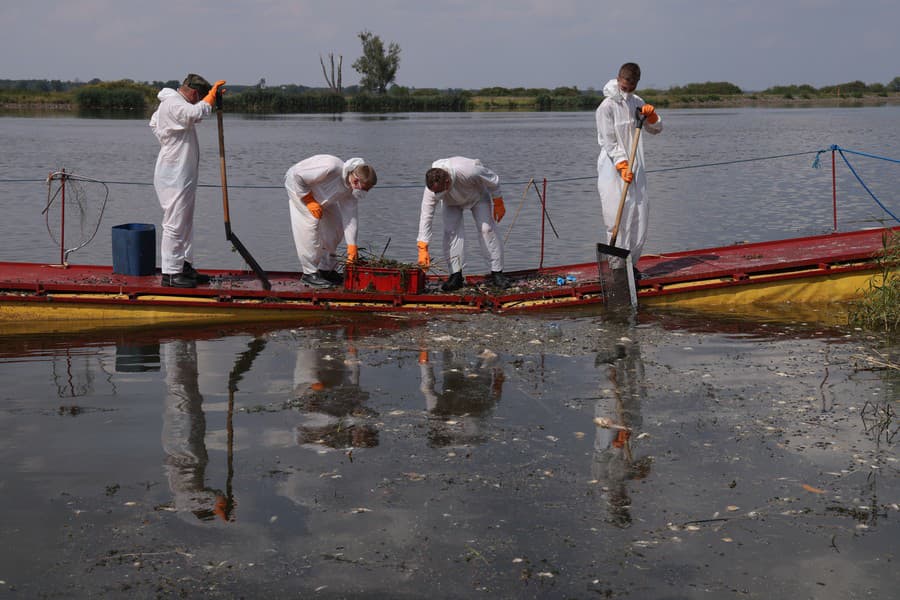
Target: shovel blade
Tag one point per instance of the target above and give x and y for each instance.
(616, 276)
(248, 258)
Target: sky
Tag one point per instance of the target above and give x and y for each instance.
(470, 44)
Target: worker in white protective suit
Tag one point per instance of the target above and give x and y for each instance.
(323, 193)
(176, 175)
(616, 124)
(460, 183)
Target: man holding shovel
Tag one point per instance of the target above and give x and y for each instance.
(616, 130)
(176, 175)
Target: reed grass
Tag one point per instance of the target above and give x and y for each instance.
(114, 95)
(29, 98)
(879, 307)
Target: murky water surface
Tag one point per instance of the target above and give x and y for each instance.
(455, 458)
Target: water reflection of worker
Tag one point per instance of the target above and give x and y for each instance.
(618, 412)
(183, 435)
(327, 391)
(468, 391)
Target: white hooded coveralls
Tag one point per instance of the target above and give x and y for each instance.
(176, 174)
(317, 239)
(472, 186)
(616, 125)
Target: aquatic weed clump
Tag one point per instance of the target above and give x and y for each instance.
(879, 308)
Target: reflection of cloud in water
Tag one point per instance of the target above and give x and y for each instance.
(338, 435)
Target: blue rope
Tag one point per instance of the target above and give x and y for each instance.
(839, 150)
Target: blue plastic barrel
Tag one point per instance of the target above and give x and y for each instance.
(134, 249)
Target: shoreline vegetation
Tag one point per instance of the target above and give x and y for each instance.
(127, 97)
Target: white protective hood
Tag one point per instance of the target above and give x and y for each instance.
(612, 91)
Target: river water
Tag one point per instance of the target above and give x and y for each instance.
(457, 456)
(718, 204)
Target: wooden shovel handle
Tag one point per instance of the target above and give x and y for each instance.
(634, 145)
(222, 171)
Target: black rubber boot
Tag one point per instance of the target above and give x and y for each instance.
(188, 270)
(500, 280)
(454, 282)
(179, 280)
(332, 276)
(314, 280)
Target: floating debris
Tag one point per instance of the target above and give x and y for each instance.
(488, 355)
(606, 423)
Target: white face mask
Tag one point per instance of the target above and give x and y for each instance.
(626, 96)
(359, 194)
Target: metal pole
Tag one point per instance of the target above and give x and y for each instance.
(62, 221)
(543, 220)
(833, 193)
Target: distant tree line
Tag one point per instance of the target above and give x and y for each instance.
(122, 95)
(128, 95)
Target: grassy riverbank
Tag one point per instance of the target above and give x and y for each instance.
(127, 96)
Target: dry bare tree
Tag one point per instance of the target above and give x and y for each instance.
(334, 84)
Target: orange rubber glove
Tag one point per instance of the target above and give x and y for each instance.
(423, 357)
(499, 209)
(220, 508)
(210, 98)
(624, 171)
(650, 113)
(621, 438)
(314, 207)
(497, 384)
(424, 257)
(352, 253)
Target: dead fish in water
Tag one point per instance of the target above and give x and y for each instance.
(608, 424)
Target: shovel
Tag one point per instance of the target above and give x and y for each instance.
(614, 264)
(231, 237)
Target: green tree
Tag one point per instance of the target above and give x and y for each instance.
(894, 85)
(377, 67)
